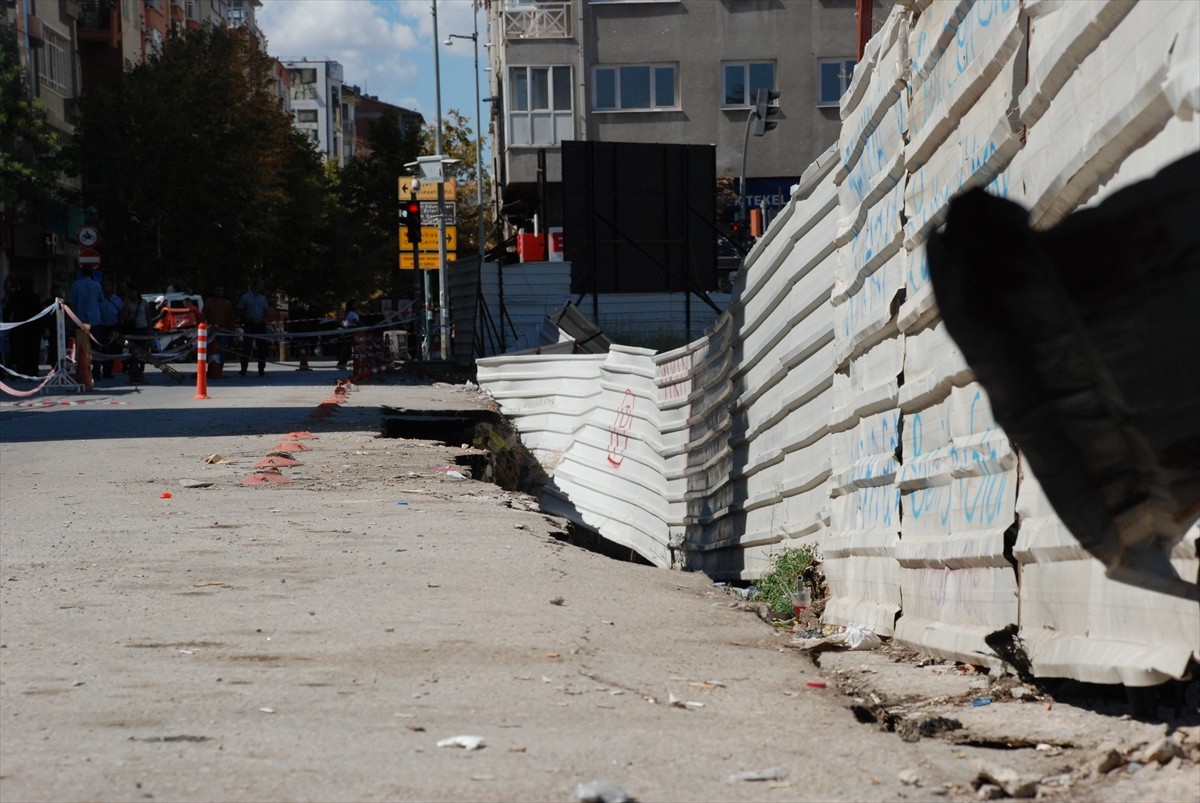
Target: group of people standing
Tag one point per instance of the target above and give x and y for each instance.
(118, 316)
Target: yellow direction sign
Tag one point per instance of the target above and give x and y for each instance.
(429, 240)
(427, 191)
(427, 260)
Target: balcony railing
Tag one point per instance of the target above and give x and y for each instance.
(541, 21)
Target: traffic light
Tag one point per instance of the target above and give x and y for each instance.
(410, 213)
(738, 227)
(764, 112)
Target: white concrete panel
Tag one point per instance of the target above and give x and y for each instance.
(863, 313)
(984, 40)
(872, 385)
(1061, 36)
(877, 55)
(959, 496)
(1109, 107)
(974, 154)
(887, 78)
(1077, 623)
(933, 364)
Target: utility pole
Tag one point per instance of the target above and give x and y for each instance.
(443, 307)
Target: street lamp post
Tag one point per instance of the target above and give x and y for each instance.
(478, 137)
(444, 318)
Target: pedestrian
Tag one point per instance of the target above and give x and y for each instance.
(350, 321)
(136, 320)
(83, 298)
(111, 306)
(25, 341)
(221, 319)
(252, 312)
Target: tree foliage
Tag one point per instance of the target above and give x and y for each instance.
(28, 146)
(196, 174)
(367, 193)
(458, 142)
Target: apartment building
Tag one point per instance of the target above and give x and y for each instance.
(368, 110)
(321, 107)
(677, 71)
(68, 48)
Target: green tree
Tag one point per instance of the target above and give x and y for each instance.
(368, 206)
(28, 146)
(458, 142)
(196, 173)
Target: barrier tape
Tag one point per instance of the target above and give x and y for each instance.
(228, 354)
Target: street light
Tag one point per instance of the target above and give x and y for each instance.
(444, 349)
(478, 136)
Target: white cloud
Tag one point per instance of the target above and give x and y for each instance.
(382, 56)
(384, 46)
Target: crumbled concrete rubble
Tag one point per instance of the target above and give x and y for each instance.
(1026, 740)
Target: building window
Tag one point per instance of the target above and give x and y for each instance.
(833, 79)
(638, 87)
(56, 62)
(741, 80)
(540, 108)
(306, 115)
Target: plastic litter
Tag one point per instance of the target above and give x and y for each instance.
(164, 495)
(860, 637)
(769, 774)
(402, 504)
(979, 702)
(675, 702)
(465, 742)
(602, 791)
(816, 684)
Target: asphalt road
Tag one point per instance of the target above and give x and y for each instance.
(169, 632)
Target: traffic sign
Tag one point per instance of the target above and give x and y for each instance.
(427, 191)
(429, 212)
(429, 239)
(89, 256)
(88, 236)
(427, 260)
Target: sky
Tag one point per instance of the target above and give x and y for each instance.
(385, 47)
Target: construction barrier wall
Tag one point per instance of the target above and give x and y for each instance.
(828, 405)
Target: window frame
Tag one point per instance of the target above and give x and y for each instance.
(521, 95)
(652, 87)
(55, 72)
(748, 90)
(844, 79)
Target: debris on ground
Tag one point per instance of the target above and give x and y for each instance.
(769, 774)
(602, 791)
(465, 742)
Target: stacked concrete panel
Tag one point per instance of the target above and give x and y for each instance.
(958, 480)
(612, 474)
(828, 404)
(547, 396)
(1099, 119)
(859, 549)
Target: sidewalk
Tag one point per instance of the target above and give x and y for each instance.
(316, 640)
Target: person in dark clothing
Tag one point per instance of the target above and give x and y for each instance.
(25, 341)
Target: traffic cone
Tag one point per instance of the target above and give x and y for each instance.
(303, 359)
